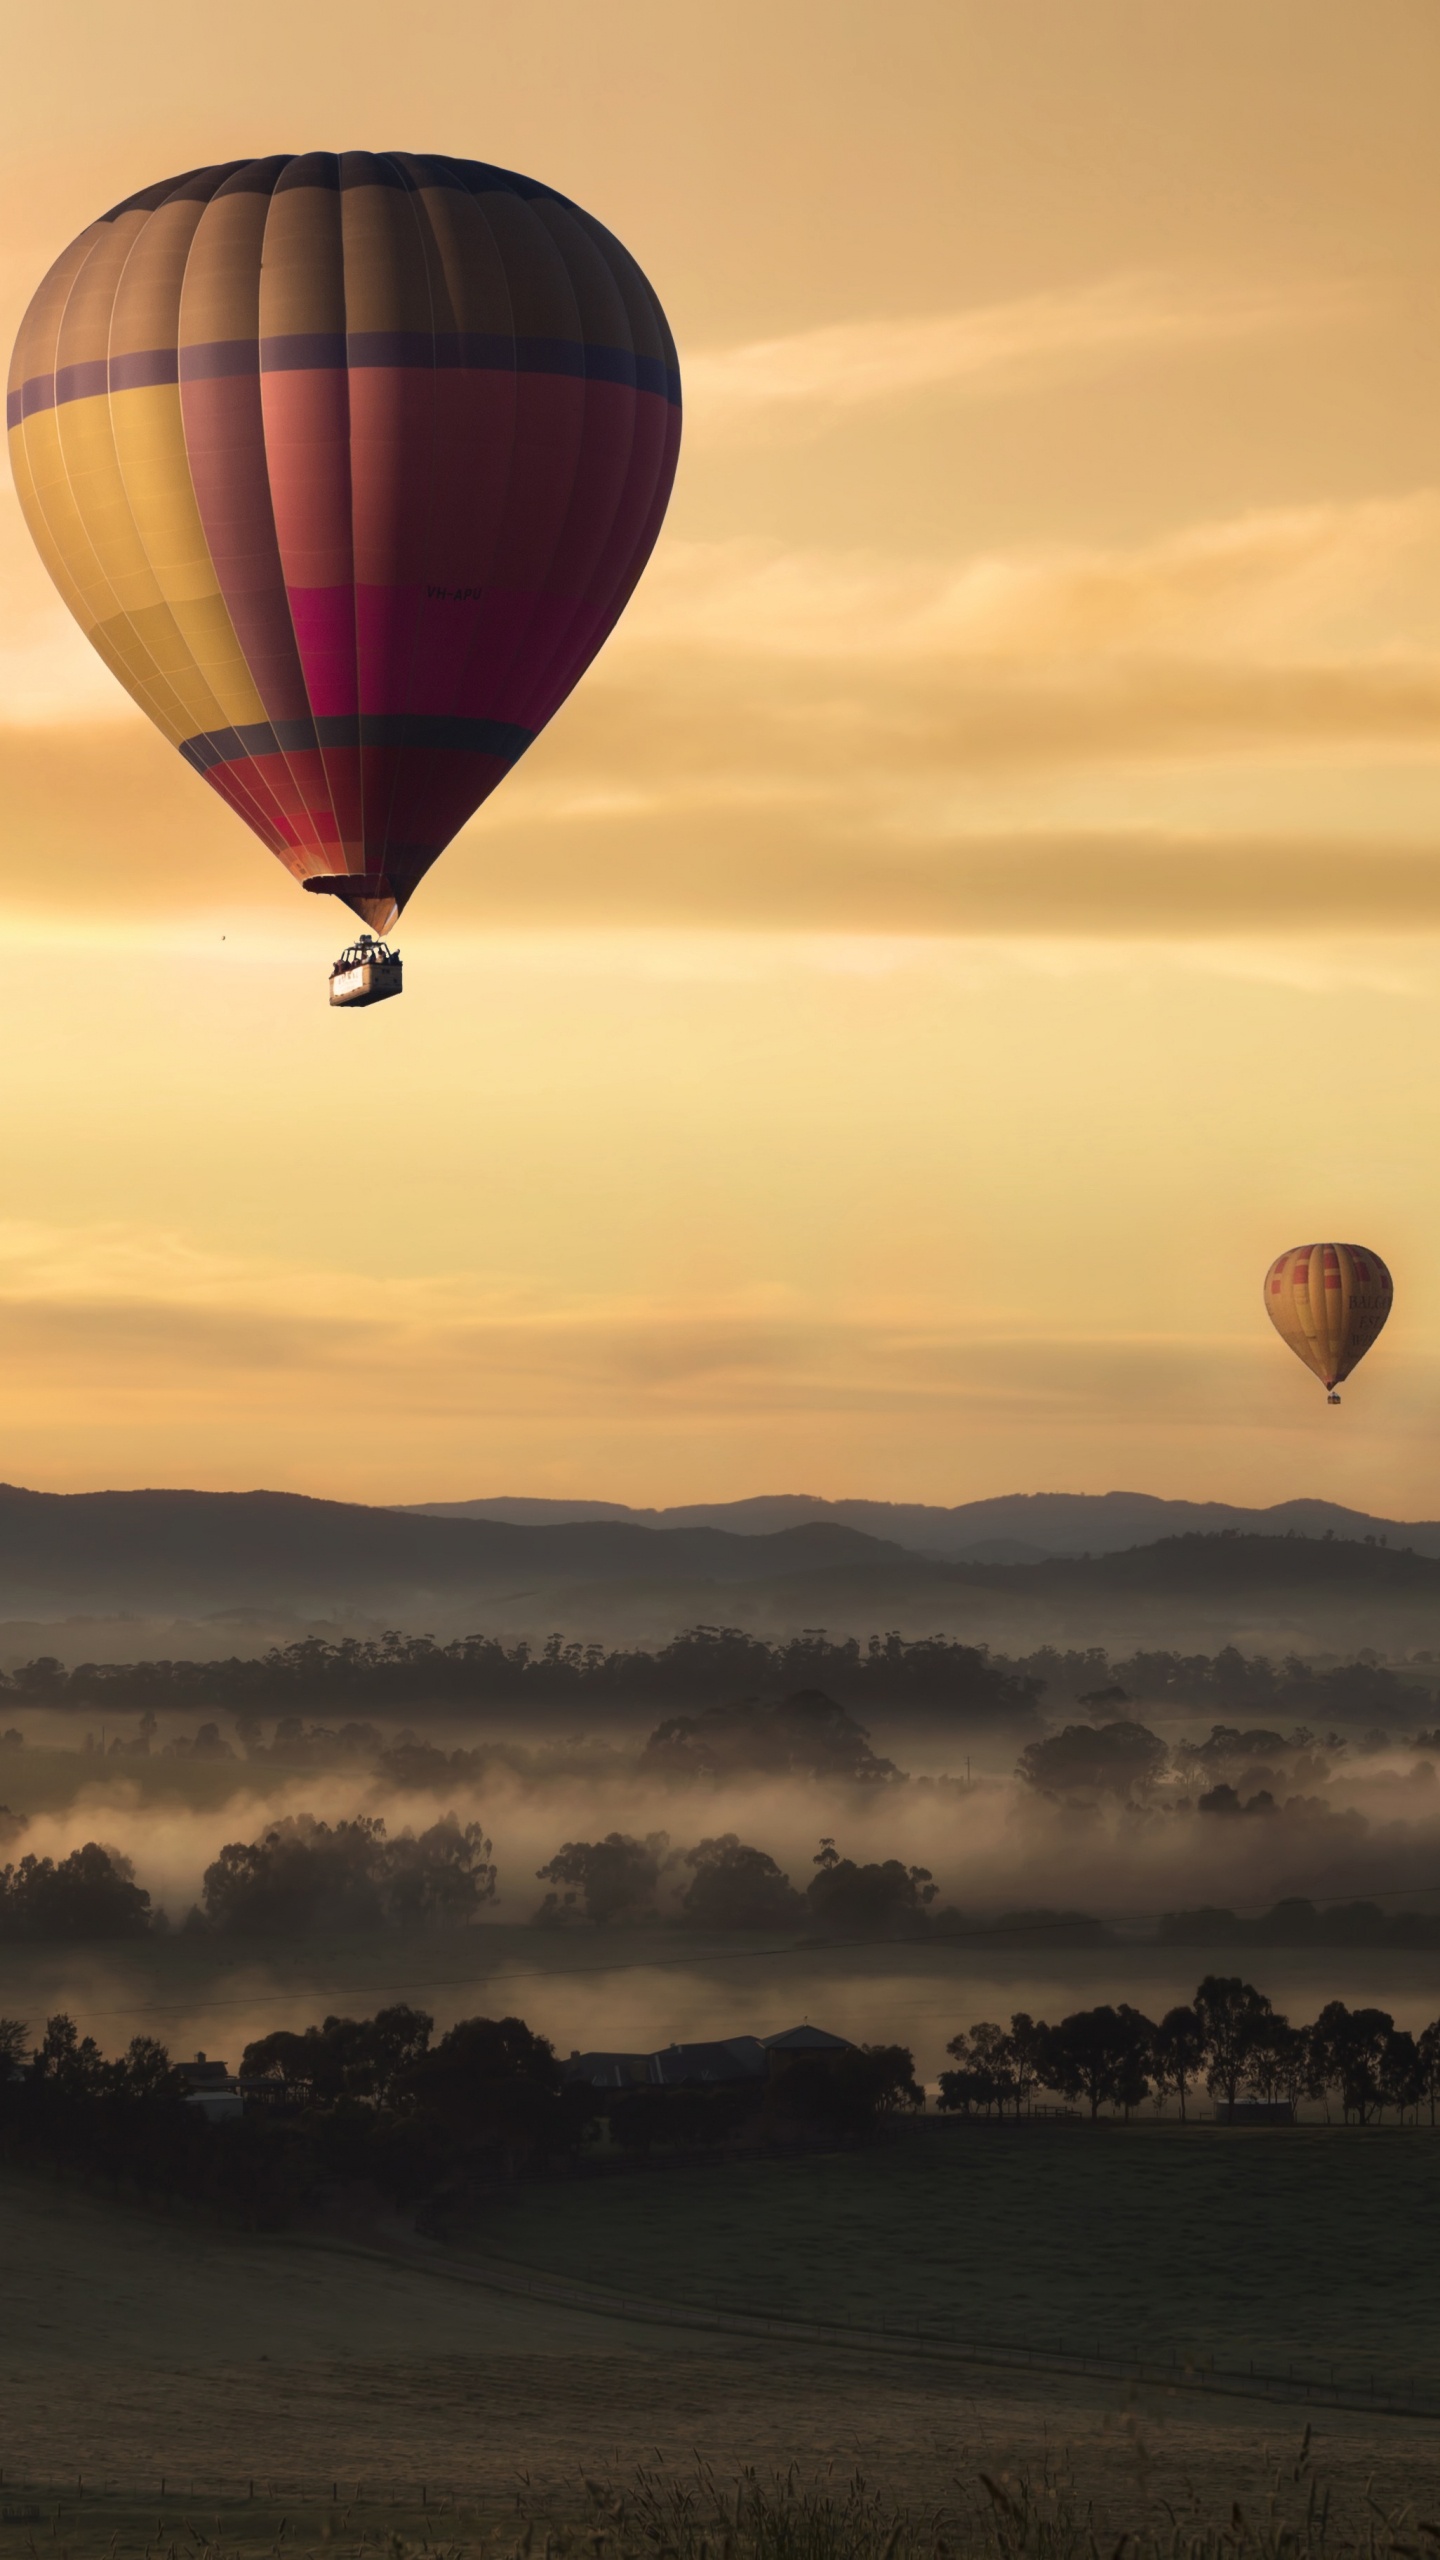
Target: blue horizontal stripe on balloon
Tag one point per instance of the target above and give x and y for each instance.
(440, 732)
(473, 350)
(478, 351)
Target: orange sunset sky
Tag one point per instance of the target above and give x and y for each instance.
(983, 903)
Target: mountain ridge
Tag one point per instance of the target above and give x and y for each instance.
(1031, 1526)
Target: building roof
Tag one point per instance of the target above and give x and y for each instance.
(702, 2065)
(806, 2039)
(608, 2070)
(203, 2074)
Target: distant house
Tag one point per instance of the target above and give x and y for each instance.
(708, 2066)
(211, 2090)
(718, 2064)
(802, 2044)
(204, 2074)
(607, 2070)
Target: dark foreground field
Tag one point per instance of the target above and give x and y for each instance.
(139, 2349)
(1314, 2251)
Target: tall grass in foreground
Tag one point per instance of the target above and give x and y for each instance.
(657, 2516)
(660, 2515)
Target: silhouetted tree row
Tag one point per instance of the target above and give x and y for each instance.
(1230, 2039)
(1237, 1769)
(804, 1736)
(732, 1886)
(1230, 1683)
(1297, 1922)
(710, 1667)
(377, 2104)
(706, 1666)
(303, 1875)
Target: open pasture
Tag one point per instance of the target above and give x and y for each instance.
(1313, 2251)
(140, 2348)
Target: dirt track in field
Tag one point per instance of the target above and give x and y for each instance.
(139, 2347)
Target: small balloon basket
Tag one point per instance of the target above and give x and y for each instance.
(366, 973)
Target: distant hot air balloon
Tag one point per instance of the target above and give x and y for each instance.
(347, 465)
(1329, 1302)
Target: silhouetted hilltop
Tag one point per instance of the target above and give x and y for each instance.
(1175, 1567)
(1011, 1528)
(167, 1555)
(184, 1550)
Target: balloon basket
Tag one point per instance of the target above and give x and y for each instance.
(366, 973)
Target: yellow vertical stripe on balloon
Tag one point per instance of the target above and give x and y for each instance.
(149, 434)
(87, 440)
(63, 540)
(32, 508)
(73, 330)
(149, 441)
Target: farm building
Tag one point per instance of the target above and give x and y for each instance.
(802, 2044)
(707, 2066)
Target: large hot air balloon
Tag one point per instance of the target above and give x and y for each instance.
(1329, 1302)
(347, 464)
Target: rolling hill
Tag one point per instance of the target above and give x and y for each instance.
(275, 1563)
(1011, 1528)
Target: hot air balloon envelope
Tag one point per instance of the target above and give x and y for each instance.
(347, 465)
(1329, 1302)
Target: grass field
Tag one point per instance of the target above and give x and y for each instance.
(1317, 2250)
(141, 2348)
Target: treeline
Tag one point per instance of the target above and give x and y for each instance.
(300, 1877)
(1228, 2039)
(395, 1674)
(378, 2103)
(1231, 1683)
(303, 1877)
(1235, 1770)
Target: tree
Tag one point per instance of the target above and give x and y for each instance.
(1347, 2048)
(1120, 1759)
(737, 1887)
(1399, 2080)
(365, 2058)
(1233, 2018)
(1177, 2054)
(1100, 2055)
(990, 2072)
(495, 2085)
(806, 1736)
(844, 2094)
(881, 1900)
(1427, 2064)
(611, 1882)
(1278, 2068)
(90, 1894)
(304, 1875)
(65, 2061)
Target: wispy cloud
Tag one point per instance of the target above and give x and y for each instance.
(1299, 580)
(801, 383)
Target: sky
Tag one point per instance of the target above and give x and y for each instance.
(982, 904)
